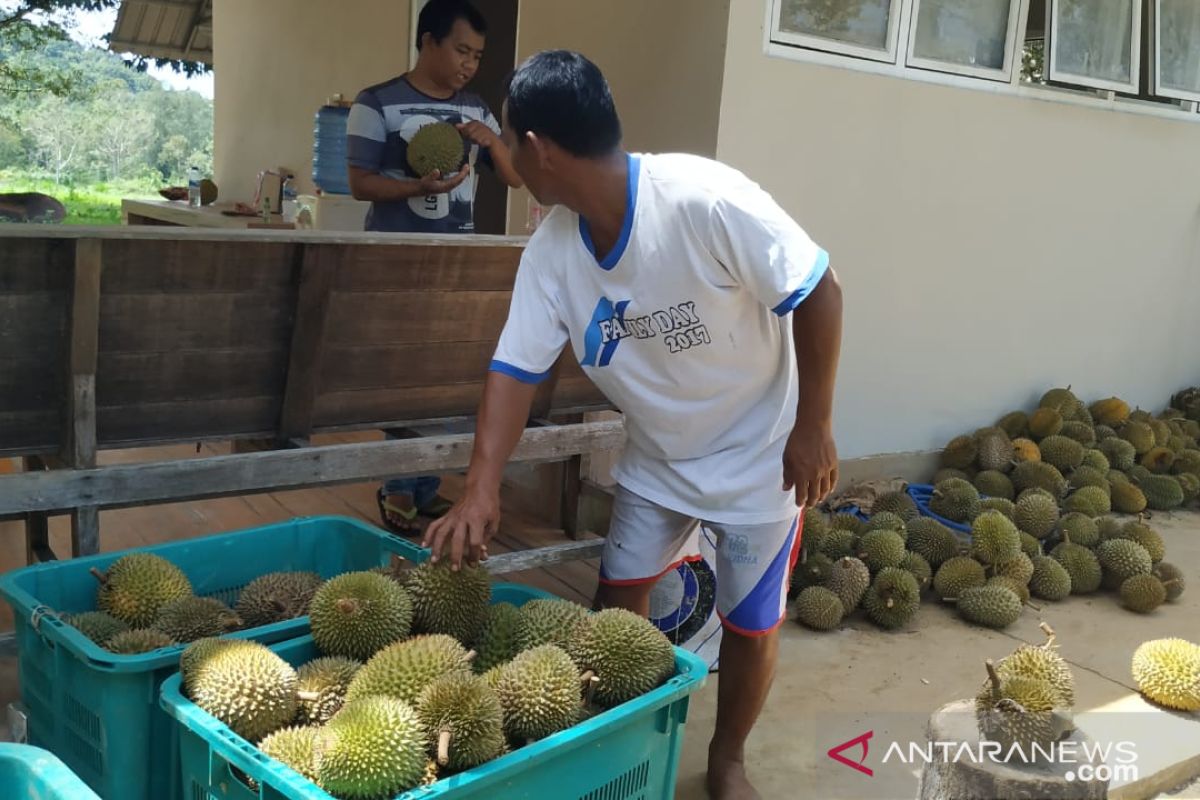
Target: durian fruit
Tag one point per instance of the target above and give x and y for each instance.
(819, 608)
(1014, 423)
(321, 687)
(625, 651)
(1050, 580)
(276, 597)
(137, 585)
(376, 749)
(815, 527)
(1187, 461)
(1080, 528)
(1162, 492)
(1012, 584)
(540, 691)
(139, 640)
(297, 747)
(357, 614)
(1045, 422)
(449, 601)
(192, 618)
(1038, 475)
(1158, 460)
(994, 538)
(932, 540)
(1025, 450)
(1138, 434)
(957, 575)
(880, 549)
(436, 146)
(1081, 564)
(1080, 432)
(1167, 671)
(1086, 476)
(196, 655)
(1061, 452)
(402, 670)
(1127, 498)
(1095, 459)
(895, 502)
(887, 521)
(946, 474)
(1147, 537)
(814, 571)
(1121, 454)
(1121, 560)
(1090, 500)
(992, 483)
(1022, 714)
(1036, 513)
(1006, 507)
(1104, 432)
(849, 580)
(1162, 431)
(957, 503)
(960, 453)
(991, 606)
(914, 564)
(1112, 412)
(1190, 484)
(839, 543)
(1143, 593)
(995, 452)
(1062, 400)
(1019, 569)
(1041, 662)
(499, 639)
(847, 522)
(463, 721)
(1172, 579)
(248, 687)
(551, 621)
(1030, 546)
(892, 599)
(97, 625)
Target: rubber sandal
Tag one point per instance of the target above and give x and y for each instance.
(409, 515)
(437, 507)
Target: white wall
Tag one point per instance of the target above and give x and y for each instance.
(276, 63)
(989, 246)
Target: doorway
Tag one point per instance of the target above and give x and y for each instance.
(499, 59)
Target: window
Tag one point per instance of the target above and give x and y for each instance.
(1176, 35)
(970, 37)
(865, 28)
(1096, 43)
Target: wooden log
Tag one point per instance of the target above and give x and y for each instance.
(986, 779)
(321, 265)
(121, 486)
(79, 449)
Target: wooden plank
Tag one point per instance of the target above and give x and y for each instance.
(167, 323)
(37, 525)
(79, 446)
(27, 384)
(321, 264)
(417, 402)
(543, 556)
(194, 267)
(371, 318)
(26, 319)
(158, 423)
(123, 233)
(23, 432)
(379, 268)
(126, 485)
(188, 375)
(36, 265)
(404, 366)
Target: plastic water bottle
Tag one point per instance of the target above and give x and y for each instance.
(329, 147)
(194, 187)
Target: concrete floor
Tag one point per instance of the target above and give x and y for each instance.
(832, 687)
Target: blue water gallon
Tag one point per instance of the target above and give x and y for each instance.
(329, 147)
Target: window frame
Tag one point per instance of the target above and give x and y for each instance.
(810, 41)
(1156, 85)
(1053, 73)
(1016, 9)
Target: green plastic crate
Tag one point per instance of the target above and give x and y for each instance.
(99, 711)
(630, 752)
(31, 773)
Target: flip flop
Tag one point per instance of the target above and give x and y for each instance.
(409, 515)
(437, 507)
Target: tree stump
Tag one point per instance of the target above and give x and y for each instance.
(984, 779)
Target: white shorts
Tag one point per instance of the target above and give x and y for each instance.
(754, 562)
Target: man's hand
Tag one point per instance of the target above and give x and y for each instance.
(479, 133)
(434, 184)
(467, 528)
(810, 463)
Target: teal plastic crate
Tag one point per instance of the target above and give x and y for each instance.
(31, 773)
(630, 752)
(99, 711)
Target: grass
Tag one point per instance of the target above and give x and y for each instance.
(92, 204)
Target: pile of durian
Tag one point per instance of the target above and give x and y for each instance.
(1038, 503)
(419, 675)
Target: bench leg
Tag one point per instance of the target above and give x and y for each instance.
(572, 483)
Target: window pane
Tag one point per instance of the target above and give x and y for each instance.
(969, 32)
(1092, 38)
(1179, 45)
(860, 22)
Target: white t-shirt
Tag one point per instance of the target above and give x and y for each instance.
(686, 328)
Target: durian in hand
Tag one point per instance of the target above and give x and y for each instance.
(436, 146)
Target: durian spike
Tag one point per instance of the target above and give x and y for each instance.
(994, 677)
(443, 754)
(470, 656)
(98, 575)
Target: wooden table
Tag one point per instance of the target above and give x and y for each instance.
(178, 212)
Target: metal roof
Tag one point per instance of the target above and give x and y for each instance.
(178, 29)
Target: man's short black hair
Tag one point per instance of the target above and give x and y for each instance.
(437, 19)
(564, 97)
